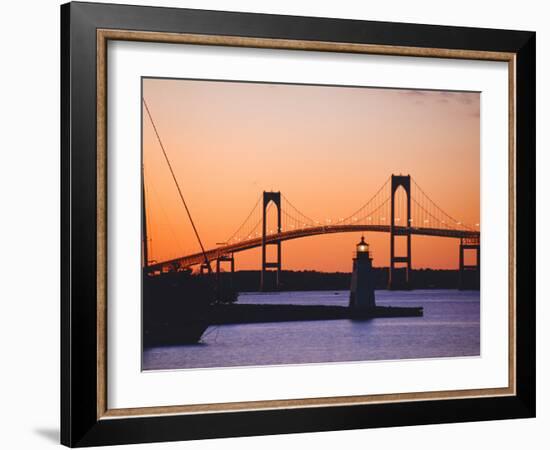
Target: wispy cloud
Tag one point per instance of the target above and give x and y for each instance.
(444, 98)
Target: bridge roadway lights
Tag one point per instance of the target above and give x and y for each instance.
(396, 182)
(469, 240)
(465, 281)
(268, 197)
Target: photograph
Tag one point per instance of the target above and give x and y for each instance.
(289, 224)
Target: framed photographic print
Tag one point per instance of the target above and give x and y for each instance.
(276, 224)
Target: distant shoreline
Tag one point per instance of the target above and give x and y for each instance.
(310, 280)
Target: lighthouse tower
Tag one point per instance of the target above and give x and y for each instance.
(362, 278)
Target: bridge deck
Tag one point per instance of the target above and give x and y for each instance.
(215, 253)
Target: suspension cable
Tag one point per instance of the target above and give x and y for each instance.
(309, 219)
(438, 208)
(245, 220)
(368, 202)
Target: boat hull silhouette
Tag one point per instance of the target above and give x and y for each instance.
(176, 309)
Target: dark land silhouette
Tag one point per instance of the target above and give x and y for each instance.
(179, 306)
(310, 280)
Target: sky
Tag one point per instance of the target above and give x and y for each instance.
(326, 148)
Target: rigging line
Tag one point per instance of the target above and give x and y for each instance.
(178, 187)
(212, 329)
(165, 215)
(149, 240)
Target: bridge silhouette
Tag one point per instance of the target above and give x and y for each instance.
(400, 207)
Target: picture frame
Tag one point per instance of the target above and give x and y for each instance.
(86, 29)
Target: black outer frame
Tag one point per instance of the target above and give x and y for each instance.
(79, 423)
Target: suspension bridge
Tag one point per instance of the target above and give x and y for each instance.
(400, 207)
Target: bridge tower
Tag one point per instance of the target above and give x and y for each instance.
(268, 197)
(397, 181)
(468, 274)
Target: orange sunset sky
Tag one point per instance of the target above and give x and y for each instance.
(327, 149)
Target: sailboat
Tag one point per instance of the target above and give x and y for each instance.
(175, 305)
(175, 308)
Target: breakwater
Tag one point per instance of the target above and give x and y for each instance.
(258, 313)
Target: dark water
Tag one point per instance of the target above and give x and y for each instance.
(450, 327)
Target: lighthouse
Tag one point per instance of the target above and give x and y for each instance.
(362, 279)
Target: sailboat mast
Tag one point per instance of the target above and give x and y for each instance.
(206, 260)
(145, 243)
